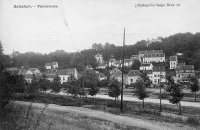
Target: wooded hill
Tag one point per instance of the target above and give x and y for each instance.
(186, 43)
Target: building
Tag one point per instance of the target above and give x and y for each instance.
(158, 75)
(53, 65)
(173, 61)
(132, 77)
(101, 76)
(128, 62)
(116, 74)
(114, 63)
(146, 66)
(102, 66)
(66, 74)
(48, 66)
(183, 73)
(99, 58)
(149, 56)
(34, 71)
(51, 74)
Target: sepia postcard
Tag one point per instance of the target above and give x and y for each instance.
(100, 64)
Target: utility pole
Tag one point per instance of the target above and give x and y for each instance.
(160, 93)
(122, 72)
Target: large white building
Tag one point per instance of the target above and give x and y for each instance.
(150, 56)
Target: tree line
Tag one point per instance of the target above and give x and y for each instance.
(186, 43)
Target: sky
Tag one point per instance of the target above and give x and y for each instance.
(91, 21)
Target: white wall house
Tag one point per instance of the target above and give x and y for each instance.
(146, 66)
(128, 62)
(173, 61)
(158, 75)
(48, 66)
(54, 65)
(66, 74)
(99, 58)
(132, 77)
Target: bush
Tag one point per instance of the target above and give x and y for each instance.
(192, 121)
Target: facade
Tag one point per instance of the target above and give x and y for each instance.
(173, 61)
(114, 63)
(158, 75)
(102, 66)
(149, 56)
(53, 65)
(99, 58)
(183, 73)
(128, 62)
(66, 74)
(48, 66)
(146, 66)
(132, 77)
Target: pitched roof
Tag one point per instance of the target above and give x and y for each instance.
(101, 75)
(33, 69)
(54, 63)
(70, 71)
(180, 64)
(134, 73)
(154, 55)
(98, 55)
(150, 51)
(158, 68)
(48, 64)
(147, 71)
(185, 67)
(145, 64)
(111, 60)
(173, 58)
(127, 60)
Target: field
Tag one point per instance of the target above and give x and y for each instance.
(190, 115)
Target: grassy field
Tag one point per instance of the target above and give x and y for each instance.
(190, 115)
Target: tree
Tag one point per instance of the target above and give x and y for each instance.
(136, 65)
(73, 87)
(44, 84)
(90, 81)
(140, 90)
(33, 86)
(175, 92)
(146, 81)
(114, 89)
(194, 85)
(56, 85)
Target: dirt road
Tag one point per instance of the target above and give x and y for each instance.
(124, 120)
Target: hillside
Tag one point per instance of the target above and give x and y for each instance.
(186, 43)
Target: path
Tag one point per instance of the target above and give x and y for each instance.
(130, 121)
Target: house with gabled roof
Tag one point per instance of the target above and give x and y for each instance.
(48, 66)
(132, 76)
(52, 65)
(158, 75)
(173, 61)
(183, 73)
(128, 62)
(66, 74)
(99, 58)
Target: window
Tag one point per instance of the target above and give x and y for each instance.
(131, 80)
(155, 75)
(63, 78)
(155, 80)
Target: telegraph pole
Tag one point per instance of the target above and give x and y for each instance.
(122, 72)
